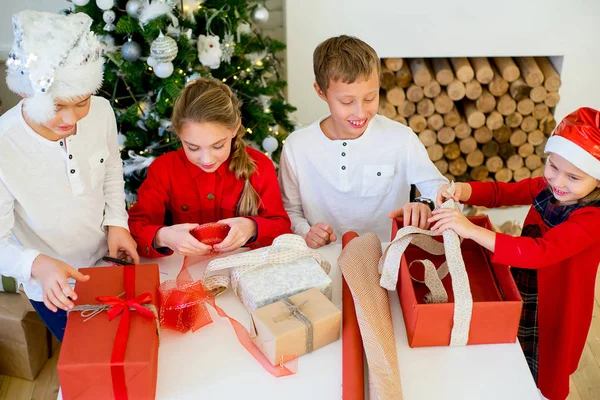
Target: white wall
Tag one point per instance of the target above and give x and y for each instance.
(434, 28)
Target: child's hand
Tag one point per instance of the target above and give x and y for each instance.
(320, 234)
(121, 245)
(179, 239)
(448, 218)
(52, 275)
(413, 214)
(462, 193)
(242, 229)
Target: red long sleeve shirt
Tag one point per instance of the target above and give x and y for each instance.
(191, 195)
(566, 258)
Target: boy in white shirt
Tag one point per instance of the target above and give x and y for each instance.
(62, 200)
(352, 170)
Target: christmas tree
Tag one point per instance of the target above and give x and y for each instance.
(154, 48)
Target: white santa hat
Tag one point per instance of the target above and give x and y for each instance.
(53, 56)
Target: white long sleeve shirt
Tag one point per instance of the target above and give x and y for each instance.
(352, 185)
(58, 197)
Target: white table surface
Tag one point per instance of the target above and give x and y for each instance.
(211, 364)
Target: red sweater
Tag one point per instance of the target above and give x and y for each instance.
(566, 258)
(173, 183)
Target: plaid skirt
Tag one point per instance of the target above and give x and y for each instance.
(526, 280)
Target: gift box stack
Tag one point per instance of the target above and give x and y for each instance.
(287, 290)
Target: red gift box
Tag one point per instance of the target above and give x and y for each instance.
(88, 367)
(496, 300)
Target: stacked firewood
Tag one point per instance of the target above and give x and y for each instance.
(479, 118)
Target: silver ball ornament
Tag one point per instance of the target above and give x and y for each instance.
(260, 15)
(80, 3)
(164, 70)
(134, 8)
(270, 144)
(105, 4)
(131, 51)
(163, 49)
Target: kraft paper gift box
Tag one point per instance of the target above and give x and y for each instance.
(281, 333)
(84, 364)
(24, 339)
(496, 299)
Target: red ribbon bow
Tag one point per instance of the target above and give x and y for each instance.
(119, 305)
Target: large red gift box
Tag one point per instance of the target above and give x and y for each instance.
(86, 354)
(496, 300)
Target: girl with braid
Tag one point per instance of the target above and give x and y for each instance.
(213, 177)
(555, 261)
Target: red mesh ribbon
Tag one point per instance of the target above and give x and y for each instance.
(183, 302)
(119, 306)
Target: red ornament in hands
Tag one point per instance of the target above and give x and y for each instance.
(211, 233)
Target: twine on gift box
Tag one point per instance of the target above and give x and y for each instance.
(295, 311)
(89, 311)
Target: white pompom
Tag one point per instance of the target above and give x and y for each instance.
(105, 4)
(164, 70)
(80, 2)
(151, 61)
(109, 16)
(39, 108)
(270, 144)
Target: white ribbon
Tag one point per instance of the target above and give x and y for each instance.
(389, 265)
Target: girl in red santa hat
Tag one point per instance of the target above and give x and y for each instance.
(556, 259)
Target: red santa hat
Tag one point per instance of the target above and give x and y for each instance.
(577, 140)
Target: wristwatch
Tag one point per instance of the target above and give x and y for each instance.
(425, 201)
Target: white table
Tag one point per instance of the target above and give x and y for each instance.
(211, 364)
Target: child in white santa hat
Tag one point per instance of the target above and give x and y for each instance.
(555, 260)
(62, 199)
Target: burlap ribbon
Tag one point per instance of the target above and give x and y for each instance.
(389, 265)
(285, 249)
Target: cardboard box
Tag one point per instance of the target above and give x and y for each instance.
(24, 339)
(496, 300)
(84, 367)
(281, 334)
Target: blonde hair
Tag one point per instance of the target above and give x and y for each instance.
(590, 198)
(343, 58)
(210, 100)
